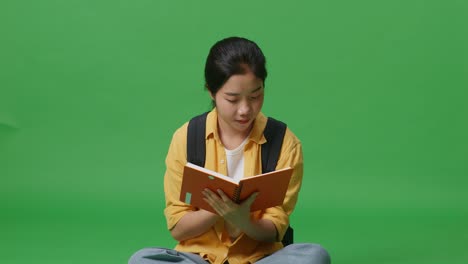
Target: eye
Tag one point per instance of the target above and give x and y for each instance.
(233, 101)
(255, 97)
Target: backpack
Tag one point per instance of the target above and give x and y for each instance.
(274, 134)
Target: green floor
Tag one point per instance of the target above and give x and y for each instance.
(98, 232)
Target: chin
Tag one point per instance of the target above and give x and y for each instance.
(244, 127)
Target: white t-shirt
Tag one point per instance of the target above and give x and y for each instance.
(235, 161)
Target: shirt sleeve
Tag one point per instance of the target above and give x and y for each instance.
(175, 162)
(290, 156)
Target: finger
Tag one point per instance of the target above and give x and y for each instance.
(214, 200)
(211, 198)
(251, 199)
(224, 196)
(210, 194)
(213, 205)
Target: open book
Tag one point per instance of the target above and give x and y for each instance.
(271, 187)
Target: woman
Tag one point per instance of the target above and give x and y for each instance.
(235, 76)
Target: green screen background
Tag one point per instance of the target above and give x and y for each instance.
(91, 92)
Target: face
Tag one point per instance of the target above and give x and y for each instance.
(238, 102)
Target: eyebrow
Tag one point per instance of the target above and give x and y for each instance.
(237, 94)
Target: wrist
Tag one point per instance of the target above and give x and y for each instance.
(208, 215)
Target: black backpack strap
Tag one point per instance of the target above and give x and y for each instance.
(196, 131)
(274, 134)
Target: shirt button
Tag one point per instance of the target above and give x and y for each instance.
(222, 161)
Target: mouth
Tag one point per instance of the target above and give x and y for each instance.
(244, 121)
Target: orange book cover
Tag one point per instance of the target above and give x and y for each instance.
(271, 187)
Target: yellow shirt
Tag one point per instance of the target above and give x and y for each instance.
(212, 245)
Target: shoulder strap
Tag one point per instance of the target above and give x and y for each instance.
(196, 132)
(274, 134)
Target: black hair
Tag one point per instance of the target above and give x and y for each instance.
(230, 56)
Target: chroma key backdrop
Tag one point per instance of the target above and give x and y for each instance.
(91, 92)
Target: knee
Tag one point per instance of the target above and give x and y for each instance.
(138, 256)
(316, 252)
(320, 253)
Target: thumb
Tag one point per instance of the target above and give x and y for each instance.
(251, 199)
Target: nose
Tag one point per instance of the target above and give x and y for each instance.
(245, 108)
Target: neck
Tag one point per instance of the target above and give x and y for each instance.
(232, 139)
